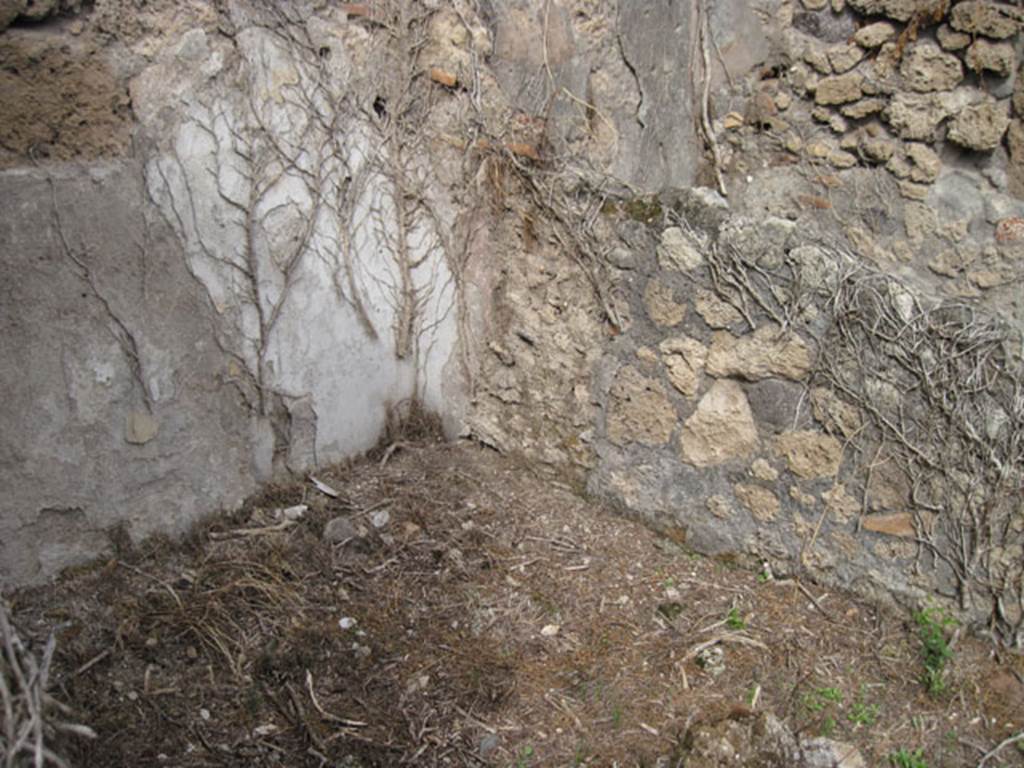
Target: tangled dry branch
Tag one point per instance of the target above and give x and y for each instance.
(943, 393)
(32, 718)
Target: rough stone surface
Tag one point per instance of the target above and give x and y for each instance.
(981, 126)
(950, 39)
(810, 454)
(825, 26)
(676, 252)
(917, 116)
(762, 502)
(762, 470)
(899, 10)
(858, 110)
(986, 56)
(720, 507)
(843, 58)
(661, 306)
(639, 410)
(873, 35)
(926, 67)
(722, 428)
(834, 414)
(840, 504)
(839, 89)
(684, 358)
(767, 352)
(716, 312)
(979, 17)
(925, 161)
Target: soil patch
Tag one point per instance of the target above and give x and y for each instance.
(451, 607)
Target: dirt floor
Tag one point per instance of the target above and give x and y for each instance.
(463, 611)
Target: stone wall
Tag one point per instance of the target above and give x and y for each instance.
(243, 236)
(230, 280)
(819, 371)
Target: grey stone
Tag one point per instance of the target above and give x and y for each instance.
(774, 402)
(340, 529)
(826, 753)
(72, 376)
(488, 745)
(825, 25)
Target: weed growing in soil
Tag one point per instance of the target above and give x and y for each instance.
(906, 759)
(932, 625)
(734, 621)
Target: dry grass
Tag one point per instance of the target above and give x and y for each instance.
(227, 650)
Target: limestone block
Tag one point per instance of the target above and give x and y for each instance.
(877, 150)
(684, 359)
(861, 109)
(835, 414)
(715, 311)
(769, 351)
(917, 116)
(900, 10)
(840, 503)
(873, 35)
(762, 502)
(839, 89)
(676, 252)
(925, 163)
(984, 55)
(720, 507)
(639, 410)
(950, 39)
(661, 306)
(810, 454)
(762, 470)
(845, 57)
(980, 126)
(926, 68)
(721, 428)
(977, 17)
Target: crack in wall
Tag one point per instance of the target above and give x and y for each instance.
(636, 78)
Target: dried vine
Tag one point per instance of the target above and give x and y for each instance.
(943, 393)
